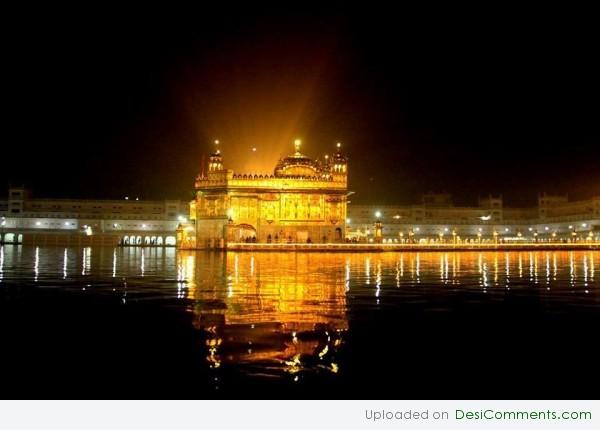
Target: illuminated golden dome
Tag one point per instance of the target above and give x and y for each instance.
(297, 165)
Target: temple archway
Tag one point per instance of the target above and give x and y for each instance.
(243, 233)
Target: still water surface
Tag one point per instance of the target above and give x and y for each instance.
(178, 324)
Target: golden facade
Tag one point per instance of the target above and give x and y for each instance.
(302, 201)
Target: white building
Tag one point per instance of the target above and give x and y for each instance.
(130, 221)
(437, 219)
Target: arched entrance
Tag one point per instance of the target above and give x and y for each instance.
(243, 233)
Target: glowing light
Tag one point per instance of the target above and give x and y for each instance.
(378, 214)
(143, 225)
(584, 225)
(485, 217)
(181, 218)
(347, 220)
(38, 223)
(297, 144)
(254, 149)
(339, 145)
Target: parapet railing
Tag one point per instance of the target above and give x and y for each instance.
(383, 247)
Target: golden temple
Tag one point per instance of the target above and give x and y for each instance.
(302, 201)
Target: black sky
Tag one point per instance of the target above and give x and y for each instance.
(113, 103)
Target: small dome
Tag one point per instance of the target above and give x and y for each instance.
(297, 165)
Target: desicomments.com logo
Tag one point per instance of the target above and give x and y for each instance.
(491, 414)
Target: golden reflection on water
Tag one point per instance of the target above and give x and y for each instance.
(289, 311)
(290, 308)
(285, 309)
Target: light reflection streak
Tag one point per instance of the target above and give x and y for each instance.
(86, 260)
(346, 277)
(495, 268)
(378, 279)
(572, 268)
(1, 263)
(402, 265)
(520, 265)
(114, 263)
(418, 268)
(585, 270)
(507, 263)
(547, 268)
(36, 264)
(65, 263)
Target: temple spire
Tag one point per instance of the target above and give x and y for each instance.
(297, 144)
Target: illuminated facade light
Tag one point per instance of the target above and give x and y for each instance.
(378, 214)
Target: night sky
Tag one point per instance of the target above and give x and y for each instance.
(112, 103)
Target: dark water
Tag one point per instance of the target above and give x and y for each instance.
(132, 322)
